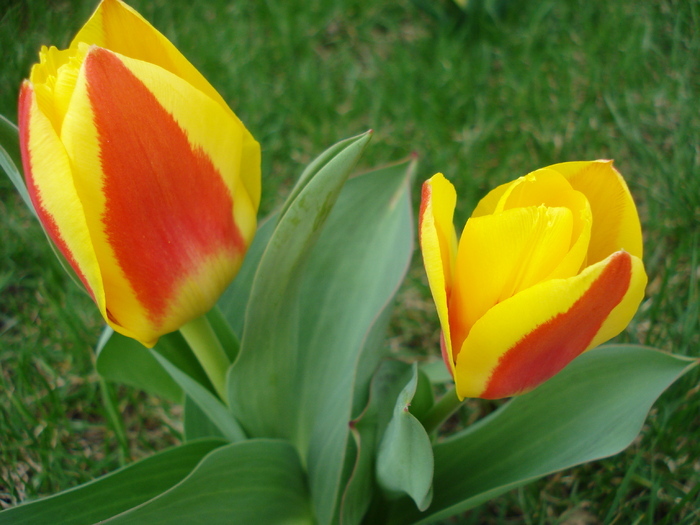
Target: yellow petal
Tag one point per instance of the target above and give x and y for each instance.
(438, 241)
(500, 255)
(546, 187)
(550, 188)
(615, 219)
(528, 338)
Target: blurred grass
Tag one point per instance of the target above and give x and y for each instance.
(484, 99)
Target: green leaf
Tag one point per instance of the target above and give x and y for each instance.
(269, 352)
(257, 481)
(592, 409)
(114, 493)
(405, 458)
(168, 369)
(197, 424)
(209, 403)
(316, 315)
(436, 371)
(224, 333)
(234, 300)
(367, 430)
(316, 165)
(353, 275)
(125, 360)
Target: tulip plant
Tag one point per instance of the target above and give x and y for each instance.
(272, 335)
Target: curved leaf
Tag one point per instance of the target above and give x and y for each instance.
(405, 457)
(114, 493)
(346, 300)
(125, 360)
(592, 409)
(326, 332)
(256, 481)
(268, 358)
(209, 404)
(367, 430)
(234, 300)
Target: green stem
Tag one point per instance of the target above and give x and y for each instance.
(211, 355)
(436, 416)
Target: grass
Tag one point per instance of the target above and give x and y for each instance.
(483, 101)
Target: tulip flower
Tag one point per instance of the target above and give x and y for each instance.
(547, 267)
(140, 173)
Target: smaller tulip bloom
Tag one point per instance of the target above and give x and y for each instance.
(547, 267)
(140, 173)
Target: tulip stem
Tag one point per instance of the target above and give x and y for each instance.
(443, 409)
(211, 355)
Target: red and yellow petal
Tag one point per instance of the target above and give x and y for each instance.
(531, 336)
(214, 131)
(616, 225)
(161, 196)
(50, 185)
(438, 241)
(121, 29)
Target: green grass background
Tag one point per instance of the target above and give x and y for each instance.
(509, 88)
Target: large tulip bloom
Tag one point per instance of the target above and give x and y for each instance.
(140, 173)
(547, 267)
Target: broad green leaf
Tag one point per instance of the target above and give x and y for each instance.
(436, 371)
(367, 431)
(592, 409)
(233, 301)
(313, 168)
(125, 360)
(424, 399)
(314, 331)
(268, 359)
(256, 481)
(169, 369)
(209, 403)
(224, 333)
(405, 458)
(353, 275)
(197, 424)
(116, 492)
